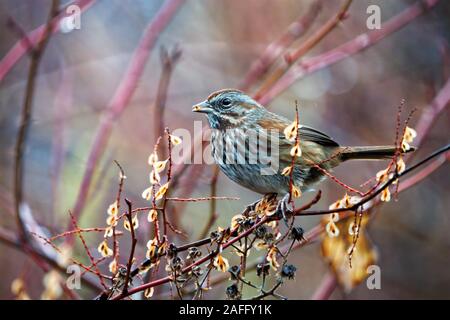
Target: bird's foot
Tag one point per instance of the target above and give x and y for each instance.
(284, 208)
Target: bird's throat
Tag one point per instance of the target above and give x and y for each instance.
(224, 122)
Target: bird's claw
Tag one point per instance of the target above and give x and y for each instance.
(284, 208)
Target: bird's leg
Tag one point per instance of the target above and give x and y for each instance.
(284, 207)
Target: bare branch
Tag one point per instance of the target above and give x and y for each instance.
(354, 46)
(24, 125)
(133, 246)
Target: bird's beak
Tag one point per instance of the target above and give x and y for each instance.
(203, 107)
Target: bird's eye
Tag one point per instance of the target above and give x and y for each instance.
(226, 102)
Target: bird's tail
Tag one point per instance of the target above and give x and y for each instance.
(369, 153)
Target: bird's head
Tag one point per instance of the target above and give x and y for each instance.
(228, 108)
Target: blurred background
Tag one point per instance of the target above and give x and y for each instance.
(355, 101)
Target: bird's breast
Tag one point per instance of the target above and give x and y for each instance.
(249, 158)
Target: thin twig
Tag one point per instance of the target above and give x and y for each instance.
(271, 292)
(201, 199)
(212, 205)
(169, 60)
(89, 269)
(88, 252)
(75, 231)
(116, 252)
(133, 246)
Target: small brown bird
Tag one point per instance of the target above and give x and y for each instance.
(236, 119)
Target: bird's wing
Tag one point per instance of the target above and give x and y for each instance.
(276, 122)
(310, 134)
(308, 138)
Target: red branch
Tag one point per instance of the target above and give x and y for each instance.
(33, 38)
(356, 45)
(123, 95)
(86, 248)
(326, 288)
(295, 30)
(430, 112)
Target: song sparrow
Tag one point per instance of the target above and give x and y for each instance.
(234, 117)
